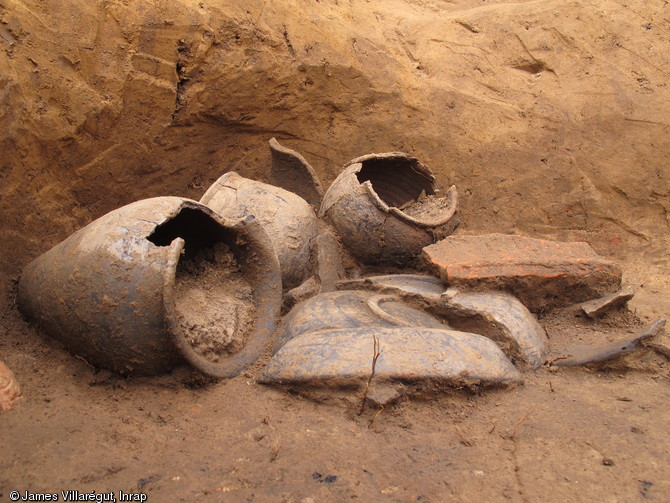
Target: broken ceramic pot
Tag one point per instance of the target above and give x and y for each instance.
(390, 356)
(500, 317)
(351, 309)
(330, 341)
(385, 208)
(288, 220)
(157, 282)
(496, 315)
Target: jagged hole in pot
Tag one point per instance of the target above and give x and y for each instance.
(406, 184)
(213, 300)
(396, 180)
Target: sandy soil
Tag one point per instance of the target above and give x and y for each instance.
(580, 434)
(550, 117)
(427, 208)
(213, 302)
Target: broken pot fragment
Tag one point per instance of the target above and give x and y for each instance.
(351, 309)
(496, 315)
(385, 208)
(157, 282)
(500, 317)
(342, 358)
(427, 288)
(292, 172)
(584, 355)
(330, 268)
(288, 220)
(542, 274)
(597, 308)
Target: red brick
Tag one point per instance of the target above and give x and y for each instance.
(541, 273)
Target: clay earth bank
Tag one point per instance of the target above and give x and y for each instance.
(550, 118)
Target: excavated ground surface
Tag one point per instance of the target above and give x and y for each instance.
(550, 117)
(566, 435)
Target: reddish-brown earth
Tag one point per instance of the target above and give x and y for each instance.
(551, 118)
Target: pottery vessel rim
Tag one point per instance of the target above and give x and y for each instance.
(354, 167)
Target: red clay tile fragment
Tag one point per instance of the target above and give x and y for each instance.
(540, 273)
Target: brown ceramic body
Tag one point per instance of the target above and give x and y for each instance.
(288, 220)
(107, 291)
(363, 204)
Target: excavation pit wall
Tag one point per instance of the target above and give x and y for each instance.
(95, 116)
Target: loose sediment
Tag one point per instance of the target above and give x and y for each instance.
(214, 302)
(429, 208)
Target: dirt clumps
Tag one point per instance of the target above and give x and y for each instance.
(9, 389)
(213, 302)
(427, 208)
